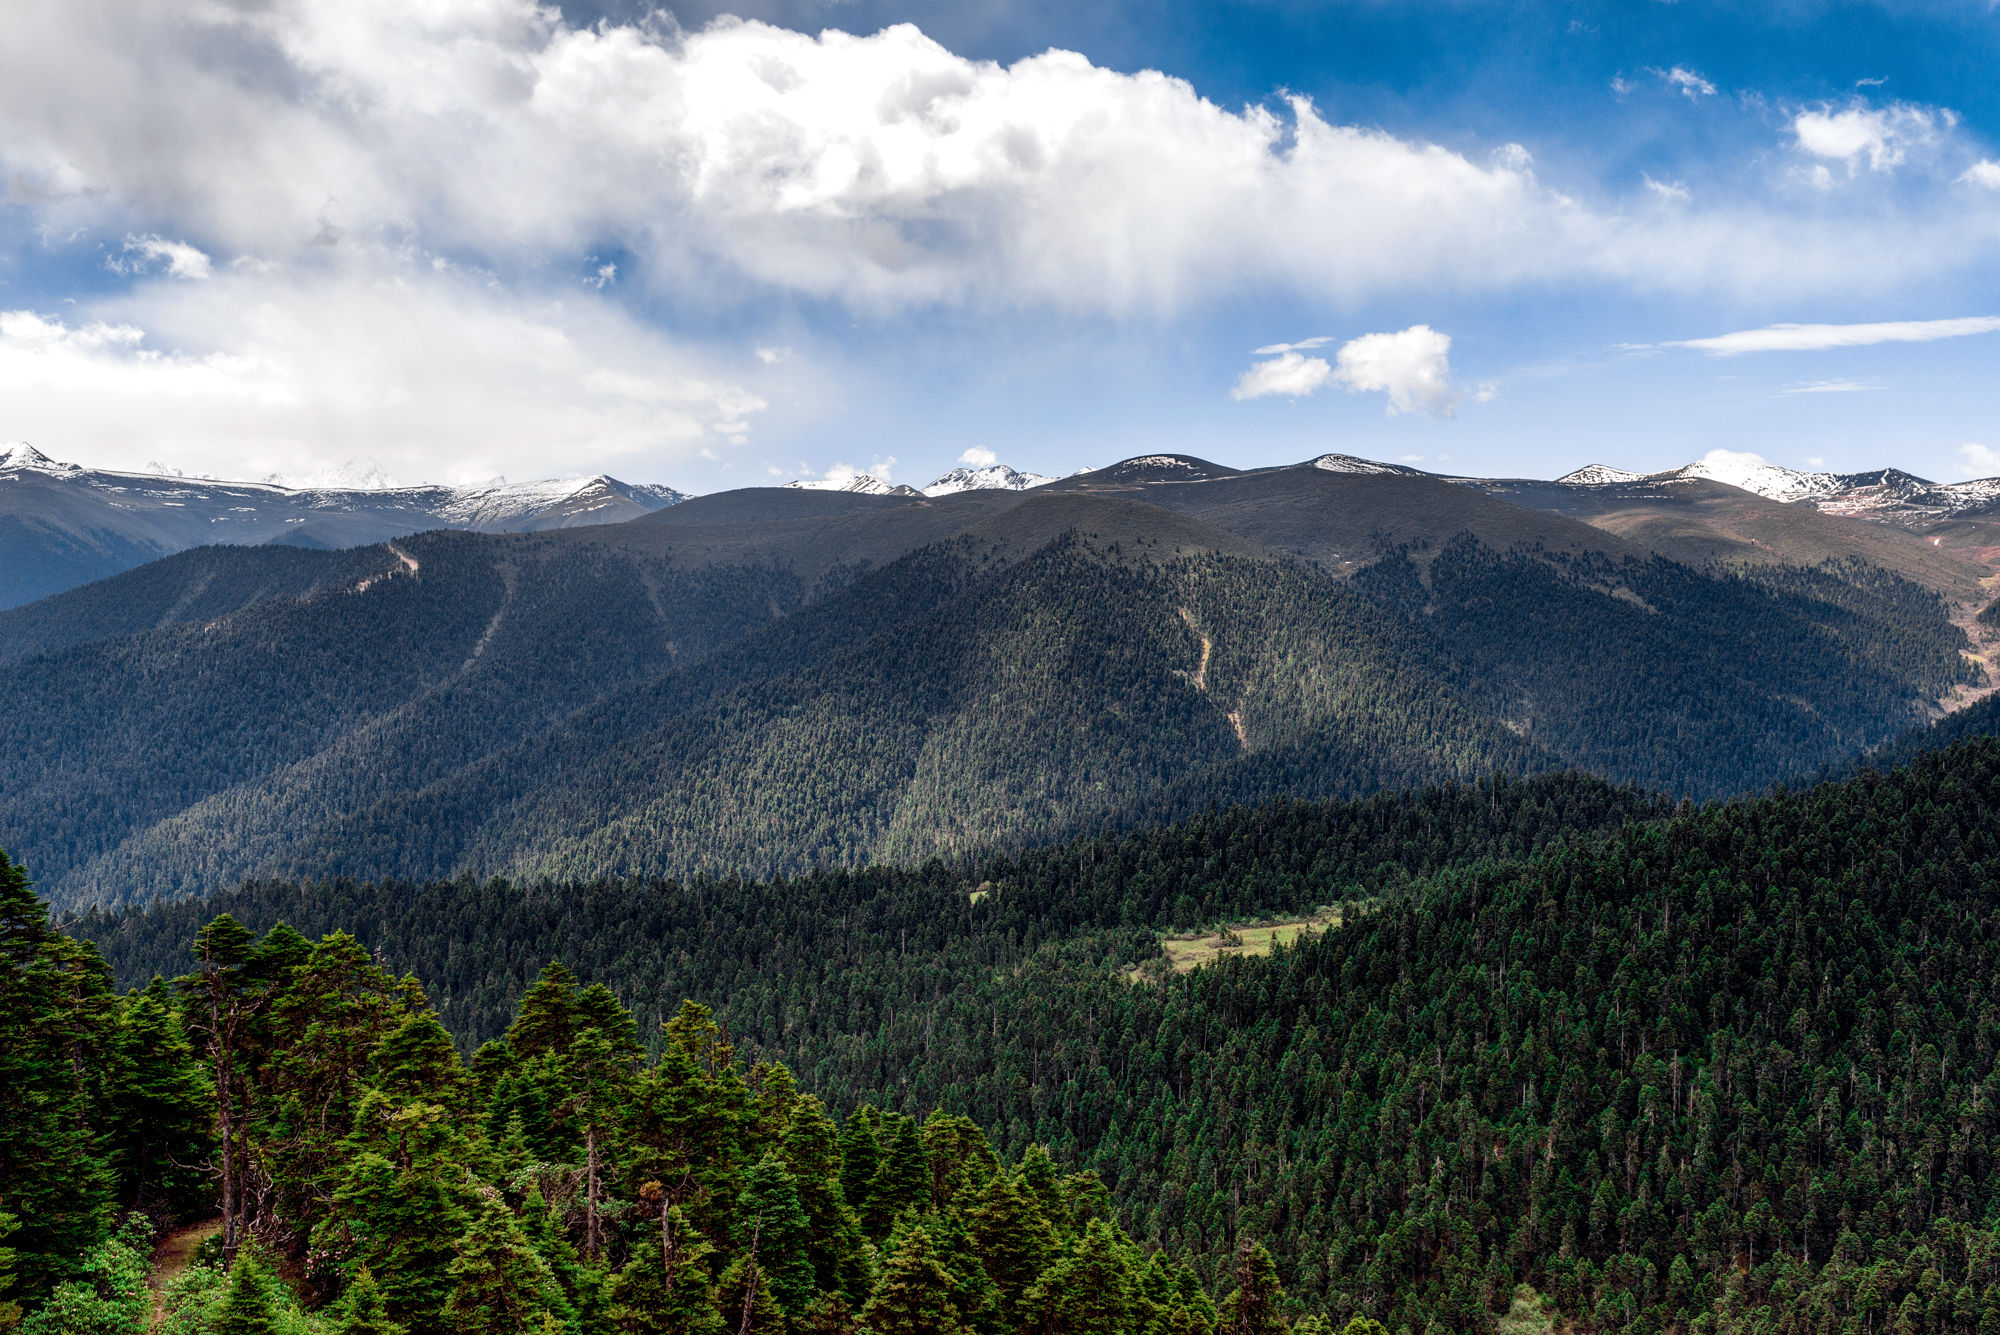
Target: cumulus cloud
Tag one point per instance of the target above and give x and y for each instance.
(1814, 337)
(1412, 366)
(254, 374)
(879, 170)
(978, 457)
(1985, 172)
(1292, 374)
(1881, 138)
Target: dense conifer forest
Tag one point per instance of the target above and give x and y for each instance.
(620, 702)
(1728, 1068)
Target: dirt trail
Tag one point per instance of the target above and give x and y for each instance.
(172, 1256)
(1986, 650)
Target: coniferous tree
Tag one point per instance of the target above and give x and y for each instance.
(1090, 1291)
(498, 1285)
(914, 1294)
(246, 1305)
(362, 1310)
(644, 1301)
(770, 1221)
(1253, 1307)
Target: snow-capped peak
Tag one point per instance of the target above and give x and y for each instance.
(987, 477)
(21, 457)
(1347, 463)
(1753, 474)
(862, 484)
(1598, 475)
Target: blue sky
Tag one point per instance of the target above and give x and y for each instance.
(715, 248)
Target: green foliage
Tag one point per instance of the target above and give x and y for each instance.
(108, 1296)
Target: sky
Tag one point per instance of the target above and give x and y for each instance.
(719, 245)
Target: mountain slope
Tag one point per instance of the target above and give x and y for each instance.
(1733, 1062)
(769, 680)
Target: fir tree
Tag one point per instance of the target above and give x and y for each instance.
(914, 1294)
(643, 1302)
(499, 1286)
(362, 1310)
(1090, 1291)
(771, 1224)
(902, 1181)
(1252, 1308)
(246, 1308)
(860, 1156)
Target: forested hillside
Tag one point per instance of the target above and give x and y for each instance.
(368, 1180)
(1727, 1066)
(1726, 1069)
(760, 684)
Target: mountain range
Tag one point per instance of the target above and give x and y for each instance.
(769, 680)
(62, 525)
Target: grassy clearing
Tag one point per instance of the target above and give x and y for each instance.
(1185, 953)
(1530, 1314)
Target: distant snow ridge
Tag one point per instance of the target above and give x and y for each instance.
(990, 477)
(861, 484)
(1765, 479)
(1598, 475)
(1347, 463)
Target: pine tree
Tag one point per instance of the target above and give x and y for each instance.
(771, 1224)
(914, 1294)
(1090, 1291)
(163, 1109)
(57, 1021)
(246, 1307)
(418, 1061)
(546, 1021)
(1044, 1187)
(811, 1150)
(362, 1310)
(860, 1156)
(902, 1182)
(1252, 1309)
(643, 1303)
(227, 995)
(498, 1285)
(1014, 1241)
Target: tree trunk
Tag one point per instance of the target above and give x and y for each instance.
(590, 1226)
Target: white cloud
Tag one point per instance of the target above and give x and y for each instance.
(1688, 82)
(1411, 366)
(978, 457)
(1303, 345)
(1980, 460)
(1290, 373)
(1816, 461)
(841, 474)
(772, 356)
(1985, 172)
(1814, 337)
(251, 374)
(1835, 386)
(877, 170)
(144, 254)
(1883, 137)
